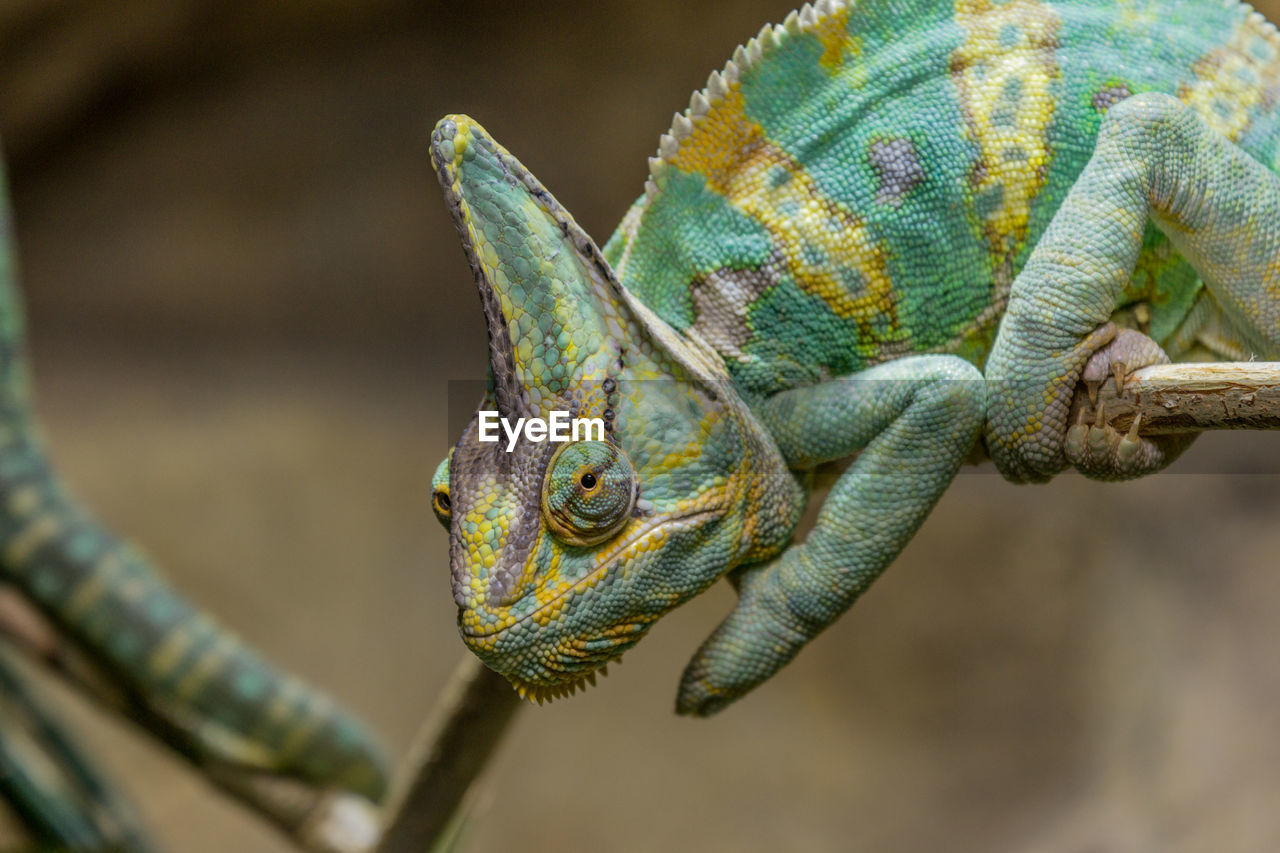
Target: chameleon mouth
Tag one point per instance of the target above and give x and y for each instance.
(585, 658)
(609, 562)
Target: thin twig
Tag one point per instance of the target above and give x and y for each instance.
(450, 750)
(477, 705)
(1177, 398)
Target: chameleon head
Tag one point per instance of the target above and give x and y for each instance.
(564, 552)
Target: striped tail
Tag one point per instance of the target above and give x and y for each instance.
(205, 683)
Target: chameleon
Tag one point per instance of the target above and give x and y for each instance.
(124, 628)
(903, 233)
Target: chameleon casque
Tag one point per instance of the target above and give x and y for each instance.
(901, 231)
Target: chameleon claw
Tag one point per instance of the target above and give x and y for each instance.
(1091, 387)
(1078, 433)
(1132, 434)
(1099, 438)
(1119, 371)
(1127, 450)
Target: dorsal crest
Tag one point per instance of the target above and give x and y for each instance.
(827, 19)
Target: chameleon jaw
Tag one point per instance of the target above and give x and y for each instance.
(610, 562)
(624, 634)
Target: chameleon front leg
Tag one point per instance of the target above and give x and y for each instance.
(1156, 160)
(915, 420)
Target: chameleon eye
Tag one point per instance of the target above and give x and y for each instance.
(441, 504)
(588, 493)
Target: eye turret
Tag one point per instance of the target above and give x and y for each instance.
(440, 502)
(589, 492)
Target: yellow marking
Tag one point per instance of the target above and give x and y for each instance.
(95, 586)
(281, 707)
(1271, 280)
(227, 742)
(1232, 80)
(833, 32)
(37, 532)
(133, 589)
(817, 237)
(677, 458)
(172, 650)
(1003, 72)
(278, 710)
(462, 139)
(24, 500)
(308, 722)
(551, 584)
(208, 663)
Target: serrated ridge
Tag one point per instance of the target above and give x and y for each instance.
(721, 83)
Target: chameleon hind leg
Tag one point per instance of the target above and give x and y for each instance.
(51, 785)
(1155, 161)
(915, 420)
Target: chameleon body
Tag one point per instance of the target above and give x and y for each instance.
(200, 688)
(905, 231)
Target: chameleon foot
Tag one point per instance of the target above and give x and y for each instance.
(1099, 450)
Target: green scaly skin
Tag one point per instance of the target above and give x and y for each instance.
(218, 699)
(902, 230)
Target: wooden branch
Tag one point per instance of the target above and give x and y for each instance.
(430, 794)
(435, 787)
(1189, 397)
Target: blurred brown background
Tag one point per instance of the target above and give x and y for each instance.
(246, 299)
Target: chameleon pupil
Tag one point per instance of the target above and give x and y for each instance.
(588, 480)
(442, 500)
